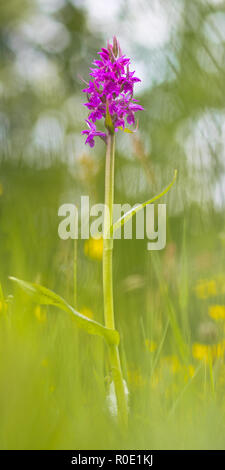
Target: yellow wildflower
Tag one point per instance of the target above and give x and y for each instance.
(94, 248)
(201, 351)
(209, 288)
(191, 370)
(150, 345)
(205, 289)
(201, 290)
(212, 288)
(208, 352)
(87, 312)
(40, 314)
(217, 312)
(172, 365)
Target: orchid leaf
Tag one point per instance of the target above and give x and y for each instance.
(108, 119)
(122, 220)
(129, 131)
(45, 296)
(125, 129)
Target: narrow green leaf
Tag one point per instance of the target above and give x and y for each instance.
(128, 131)
(134, 210)
(44, 296)
(108, 119)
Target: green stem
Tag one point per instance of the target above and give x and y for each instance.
(75, 274)
(108, 279)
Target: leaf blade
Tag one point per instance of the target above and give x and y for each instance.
(108, 119)
(44, 296)
(122, 220)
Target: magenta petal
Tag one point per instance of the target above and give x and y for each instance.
(91, 142)
(136, 107)
(131, 119)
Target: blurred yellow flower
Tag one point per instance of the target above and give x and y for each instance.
(94, 248)
(172, 365)
(205, 289)
(217, 312)
(189, 371)
(201, 351)
(206, 352)
(87, 312)
(200, 290)
(40, 314)
(1, 189)
(210, 288)
(150, 345)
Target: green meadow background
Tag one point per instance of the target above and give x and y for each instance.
(170, 304)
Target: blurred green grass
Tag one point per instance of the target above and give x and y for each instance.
(54, 378)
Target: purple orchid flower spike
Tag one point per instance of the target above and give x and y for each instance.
(110, 92)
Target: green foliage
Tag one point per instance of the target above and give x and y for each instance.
(108, 120)
(124, 219)
(54, 377)
(43, 296)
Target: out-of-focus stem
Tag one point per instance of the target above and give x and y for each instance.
(108, 279)
(75, 274)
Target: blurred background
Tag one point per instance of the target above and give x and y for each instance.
(169, 305)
